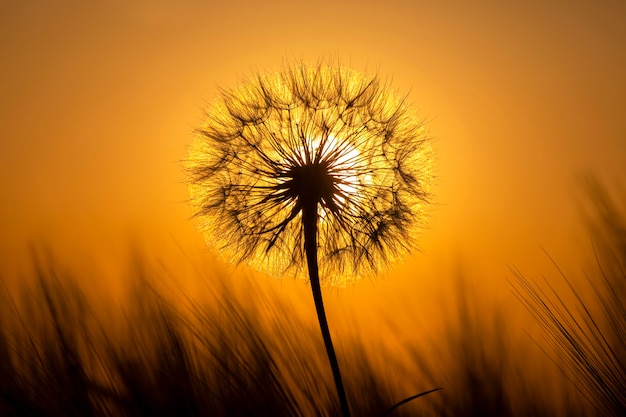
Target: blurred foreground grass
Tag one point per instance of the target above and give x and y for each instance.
(62, 354)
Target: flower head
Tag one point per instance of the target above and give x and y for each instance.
(311, 136)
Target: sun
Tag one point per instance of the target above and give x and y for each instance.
(344, 167)
(327, 139)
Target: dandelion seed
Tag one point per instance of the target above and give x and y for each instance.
(319, 133)
(314, 165)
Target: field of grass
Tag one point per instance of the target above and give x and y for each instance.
(61, 355)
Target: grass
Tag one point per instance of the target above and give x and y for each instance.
(585, 325)
(60, 357)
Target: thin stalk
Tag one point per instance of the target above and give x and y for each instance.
(309, 219)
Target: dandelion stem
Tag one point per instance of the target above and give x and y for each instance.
(309, 219)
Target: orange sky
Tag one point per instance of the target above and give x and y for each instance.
(98, 101)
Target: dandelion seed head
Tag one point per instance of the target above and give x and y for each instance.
(322, 135)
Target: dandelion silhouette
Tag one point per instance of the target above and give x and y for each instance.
(315, 165)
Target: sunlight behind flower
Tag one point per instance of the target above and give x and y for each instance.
(347, 177)
(342, 135)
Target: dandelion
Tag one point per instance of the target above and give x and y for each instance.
(312, 165)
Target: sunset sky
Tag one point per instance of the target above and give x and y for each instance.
(98, 101)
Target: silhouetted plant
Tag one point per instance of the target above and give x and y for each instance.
(313, 164)
(588, 331)
(220, 356)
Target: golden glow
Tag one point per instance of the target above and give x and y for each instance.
(345, 169)
(98, 100)
(366, 158)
